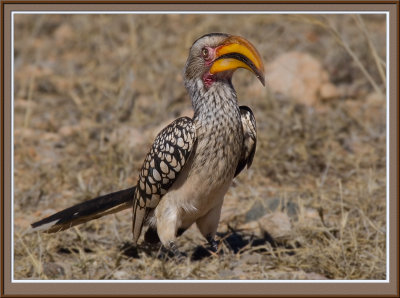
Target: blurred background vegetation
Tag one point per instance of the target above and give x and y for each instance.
(93, 90)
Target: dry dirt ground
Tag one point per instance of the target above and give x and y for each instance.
(92, 91)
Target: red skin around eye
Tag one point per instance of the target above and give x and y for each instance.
(210, 57)
(208, 78)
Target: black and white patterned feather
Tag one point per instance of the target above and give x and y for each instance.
(249, 138)
(161, 167)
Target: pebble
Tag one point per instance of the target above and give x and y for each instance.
(255, 212)
(53, 270)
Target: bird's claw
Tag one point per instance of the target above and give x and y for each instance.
(214, 246)
(172, 252)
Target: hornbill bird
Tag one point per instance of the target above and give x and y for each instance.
(192, 162)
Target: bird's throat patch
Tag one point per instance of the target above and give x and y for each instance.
(208, 80)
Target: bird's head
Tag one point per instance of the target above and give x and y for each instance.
(214, 57)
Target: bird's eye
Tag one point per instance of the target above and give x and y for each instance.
(204, 51)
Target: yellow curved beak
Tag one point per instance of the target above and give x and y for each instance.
(237, 52)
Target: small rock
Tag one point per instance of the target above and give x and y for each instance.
(375, 98)
(63, 33)
(276, 224)
(121, 274)
(239, 273)
(149, 277)
(226, 273)
(251, 259)
(296, 275)
(253, 226)
(328, 91)
(315, 276)
(273, 204)
(292, 209)
(69, 130)
(311, 215)
(53, 270)
(255, 212)
(301, 77)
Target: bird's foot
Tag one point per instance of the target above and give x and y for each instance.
(172, 252)
(179, 256)
(213, 245)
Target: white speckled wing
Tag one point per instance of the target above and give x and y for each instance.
(161, 167)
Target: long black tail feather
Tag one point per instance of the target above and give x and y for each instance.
(86, 211)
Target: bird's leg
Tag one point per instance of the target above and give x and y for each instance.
(213, 243)
(177, 254)
(151, 237)
(167, 229)
(208, 225)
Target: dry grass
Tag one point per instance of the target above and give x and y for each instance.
(91, 92)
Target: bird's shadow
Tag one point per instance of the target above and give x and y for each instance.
(233, 241)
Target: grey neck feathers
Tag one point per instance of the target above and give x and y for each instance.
(219, 98)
